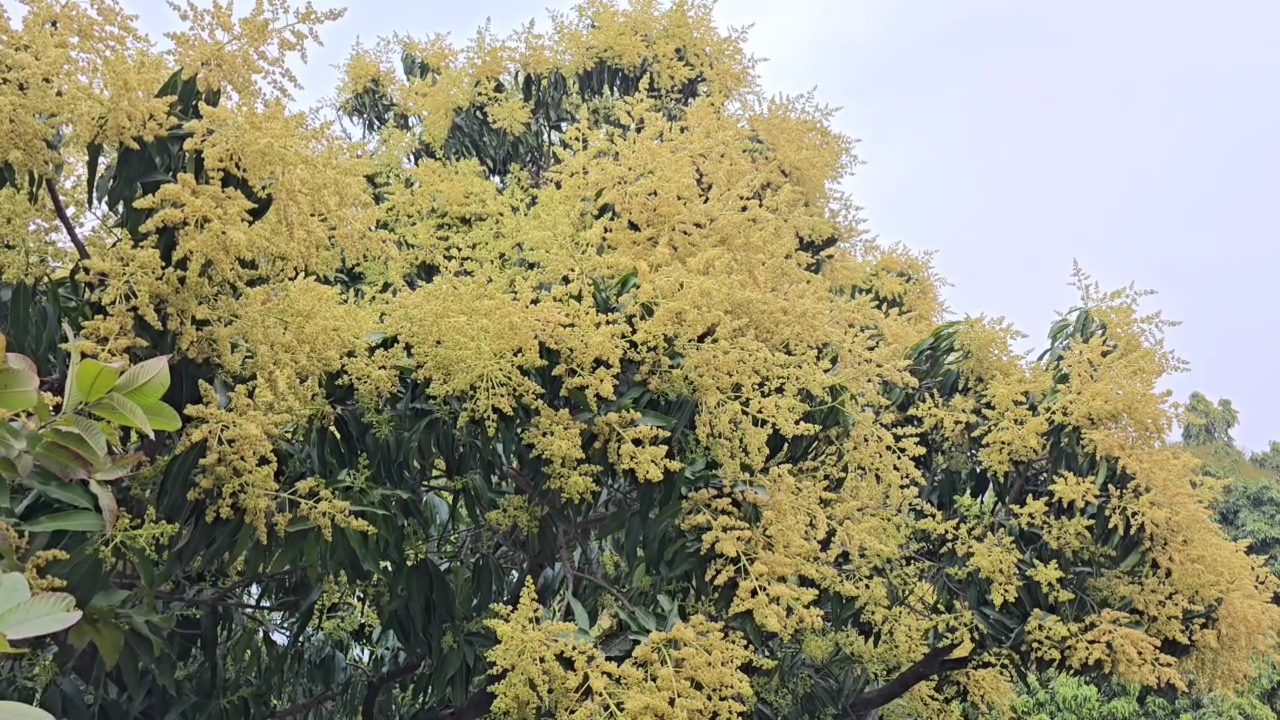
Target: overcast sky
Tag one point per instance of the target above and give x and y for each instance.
(1139, 138)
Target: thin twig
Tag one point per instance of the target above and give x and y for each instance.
(65, 219)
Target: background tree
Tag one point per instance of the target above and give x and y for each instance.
(1269, 459)
(1206, 423)
(567, 385)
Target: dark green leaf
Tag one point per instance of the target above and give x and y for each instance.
(62, 490)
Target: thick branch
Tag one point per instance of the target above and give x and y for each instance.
(324, 698)
(65, 219)
(934, 663)
(370, 705)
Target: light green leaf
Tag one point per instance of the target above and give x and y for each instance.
(19, 389)
(162, 417)
(10, 710)
(91, 381)
(121, 410)
(146, 382)
(13, 590)
(7, 649)
(62, 490)
(42, 614)
(72, 520)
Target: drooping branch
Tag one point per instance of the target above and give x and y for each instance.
(65, 219)
(931, 665)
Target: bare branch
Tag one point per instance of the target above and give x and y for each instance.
(932, 664)
(65, 219)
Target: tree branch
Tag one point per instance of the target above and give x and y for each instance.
(377, 682)
(65, 219)
(934, 663)
(370, 705)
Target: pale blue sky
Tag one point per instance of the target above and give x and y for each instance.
(1138, 137)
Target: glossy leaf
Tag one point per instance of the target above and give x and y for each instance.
(93, 379)
(121, 410)
(146, 382)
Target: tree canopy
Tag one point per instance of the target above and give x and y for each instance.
(548, 376)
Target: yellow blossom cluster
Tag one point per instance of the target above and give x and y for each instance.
(694, 670)
(479, 283)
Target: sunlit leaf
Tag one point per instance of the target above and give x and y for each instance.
(121, 410)
(146, 382)
(93, 379)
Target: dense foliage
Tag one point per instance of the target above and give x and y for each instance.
(555, 379)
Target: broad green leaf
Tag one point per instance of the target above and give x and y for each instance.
(65, 491)
(121, 410)
(162, 417)
(42, 614)
(62, 461)
(109, 640)
(71, 520)
(19, 389)
(7, 649)
(72, 440)
(5, 500)
(580, 615)
(92, 380)
(13, 590)
(106, 503)
(146, 382)
(10, 710)
(91, 431)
